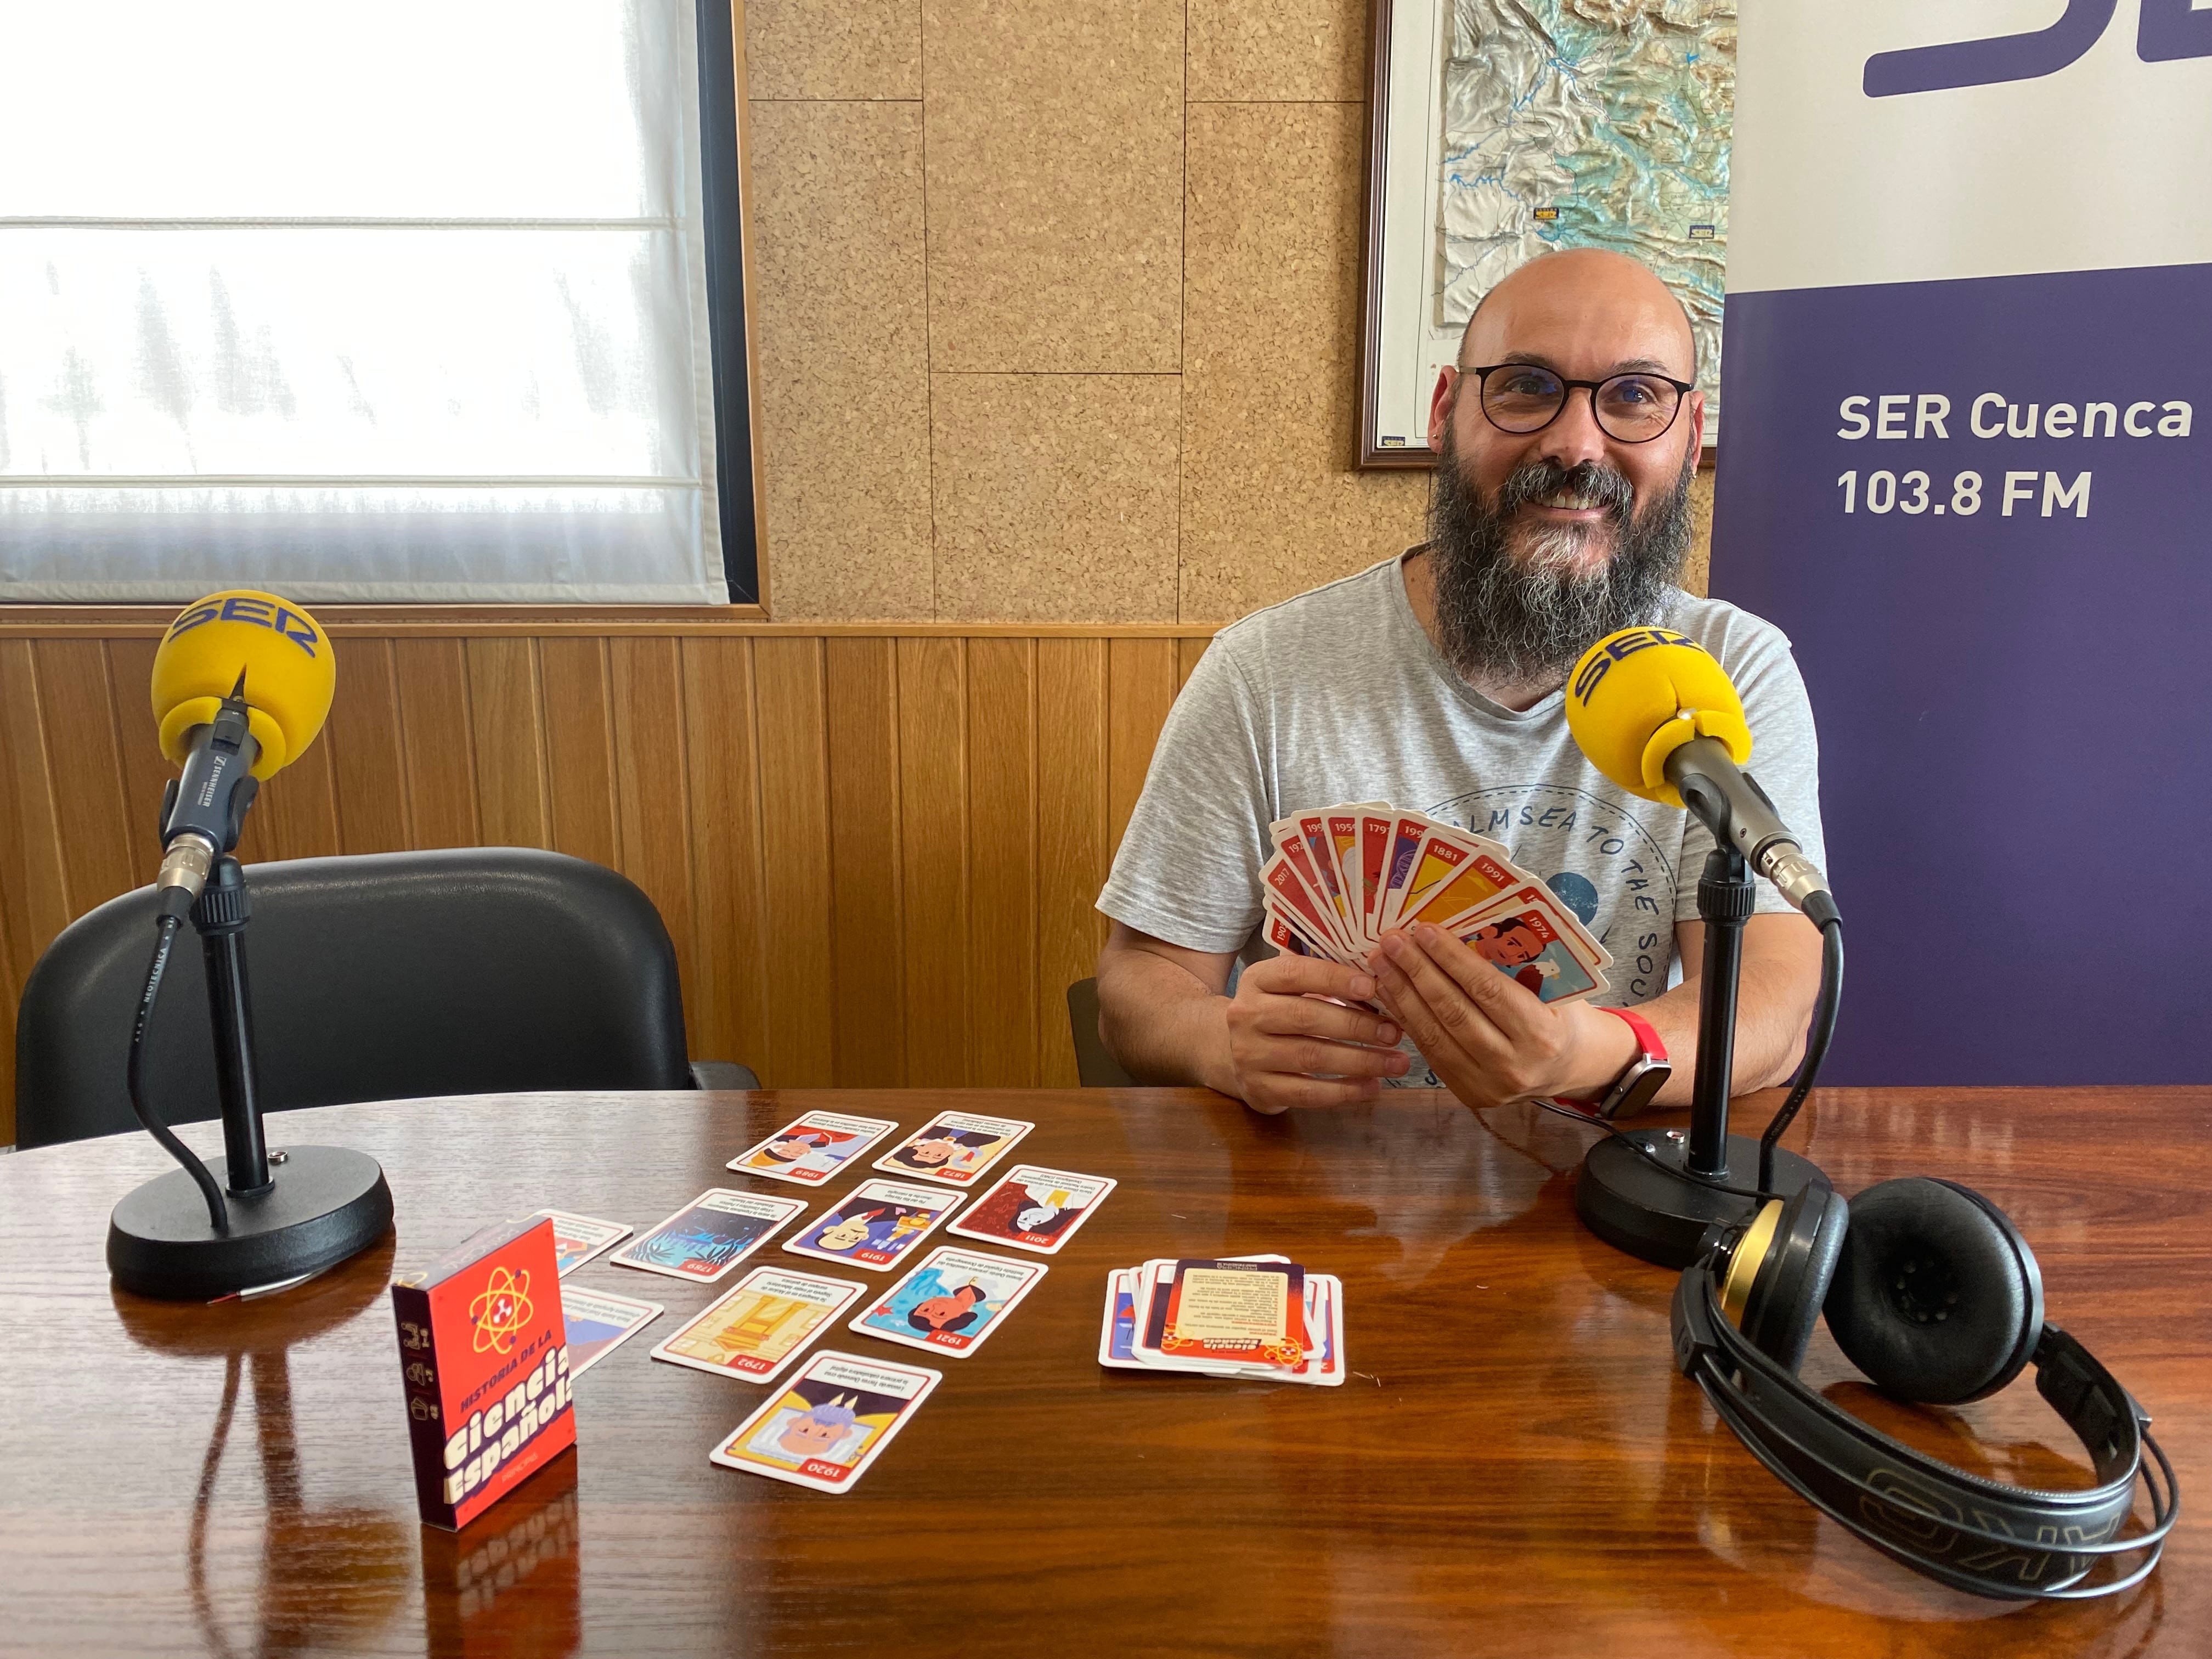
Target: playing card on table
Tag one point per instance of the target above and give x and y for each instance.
(596, 1322)
(709, 1236)
(951, 1302)
(1218, 1313)
(874, 1225)
(1118, 1329)
(756, 1331)
(830, 1422)
(1034, 1208)
(954, 1147)
(578, 1238)
(812, 1147)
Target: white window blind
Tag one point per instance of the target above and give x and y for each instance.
(401, 302)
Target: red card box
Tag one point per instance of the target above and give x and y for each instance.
(483, 1352)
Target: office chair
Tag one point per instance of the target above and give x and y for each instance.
(1095, 1068)
(387, 976)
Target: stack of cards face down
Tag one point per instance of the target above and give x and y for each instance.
(1340, 877)
(837, 1411)
(1261, 1316)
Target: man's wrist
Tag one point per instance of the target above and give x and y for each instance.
(1603, 1048)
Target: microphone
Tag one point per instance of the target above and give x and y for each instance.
(242, 683)
(1657, 713)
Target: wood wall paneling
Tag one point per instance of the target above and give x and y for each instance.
(933, 757)
(438, 746)
(866, 919)
(878, 854)
(1072, 836)
(1001, 851)
(651, 784)
(145, 769)
(796, 891)
(507, 727)
(580, 748)
(76, 705)
(728, 1014)
(364, 736)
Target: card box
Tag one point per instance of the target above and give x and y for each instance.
(484, 1358)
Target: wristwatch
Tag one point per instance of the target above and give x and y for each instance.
(1637, 1086)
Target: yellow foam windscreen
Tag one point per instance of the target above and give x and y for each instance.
(281, 651)
(1637, 695)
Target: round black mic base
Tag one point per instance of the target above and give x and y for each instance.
(325, 1204)
(1660, 1214)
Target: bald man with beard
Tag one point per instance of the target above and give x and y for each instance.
(1566, 438)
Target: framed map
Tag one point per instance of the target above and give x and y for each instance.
(1503, 128)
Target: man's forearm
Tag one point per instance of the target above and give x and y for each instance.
(1774, 1003)
(1161, 1022)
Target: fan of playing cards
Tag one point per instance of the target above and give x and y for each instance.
(1340, 876)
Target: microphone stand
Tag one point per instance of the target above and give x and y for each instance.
(291, 1213)
(1655, 1203)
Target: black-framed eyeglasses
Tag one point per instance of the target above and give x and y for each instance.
(1632, 409)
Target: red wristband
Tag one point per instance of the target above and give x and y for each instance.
(1644, 1033)
(1643, 1078)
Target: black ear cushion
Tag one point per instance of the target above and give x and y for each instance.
(1785, 1297)
(1935, 1298)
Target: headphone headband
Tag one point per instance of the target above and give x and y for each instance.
(1983, 1536)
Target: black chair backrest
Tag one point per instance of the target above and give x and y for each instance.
(1094, 1068)
(388, 976)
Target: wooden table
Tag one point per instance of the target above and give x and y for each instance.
(1513, 1468)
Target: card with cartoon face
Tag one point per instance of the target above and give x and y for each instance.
(951, 1302)
(1034, 1208)
(833, 1420)
(812, 1147)
(1530, 939)
(578, 1238)
(954, 1147)
(709, 1236)
(874, 1225)
(756, 1331)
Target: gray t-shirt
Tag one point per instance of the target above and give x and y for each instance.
(1338, 695)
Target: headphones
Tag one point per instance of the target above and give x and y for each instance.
(1930, 1291)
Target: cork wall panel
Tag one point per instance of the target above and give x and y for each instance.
(833, 48)
(1055, 496)
(842, 349)
(1697, 569)
(1055, 184)
(1272, 502)
(1314, 51)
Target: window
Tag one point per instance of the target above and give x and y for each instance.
(414, 302)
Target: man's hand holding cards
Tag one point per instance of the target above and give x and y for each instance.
(1425, 924)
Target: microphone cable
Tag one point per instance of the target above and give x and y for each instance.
(1822, 1030)
(1817, 1038)
(134, 1079)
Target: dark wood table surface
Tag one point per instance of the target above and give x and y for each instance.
(1514, 1467)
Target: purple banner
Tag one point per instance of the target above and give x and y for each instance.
(1982, 510)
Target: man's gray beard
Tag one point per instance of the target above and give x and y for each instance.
(1515, 608)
